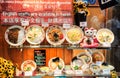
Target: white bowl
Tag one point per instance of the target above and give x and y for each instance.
(35, 34)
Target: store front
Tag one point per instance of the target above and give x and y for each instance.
(59, 39)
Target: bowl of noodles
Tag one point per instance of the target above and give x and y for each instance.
(105, 35)
(74, 35)
(35, 34)
(55, 35)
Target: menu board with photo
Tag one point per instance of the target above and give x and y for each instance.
(36, 11)
(40, 57)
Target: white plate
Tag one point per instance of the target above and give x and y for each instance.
(15, 35)
(85, 56)
(74, 35)
(105, 35)
(35, 34)
(55, 35)
(28, 65)
(77, 64)
(54, 65)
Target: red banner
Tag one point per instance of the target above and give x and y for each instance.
(36, 11)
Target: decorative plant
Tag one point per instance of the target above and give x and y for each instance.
(7, 68)
(80, 7)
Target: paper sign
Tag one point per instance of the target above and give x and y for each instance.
(45, 24)
(83, 24)
(25, 23)
(66, 26)
(28, 73)
(78, 72)
(57, 72)
(106, 71)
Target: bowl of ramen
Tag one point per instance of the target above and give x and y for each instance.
(35, 34)
(98, 57)
(105, 35)
(85, 56)
(15, 35)
(77, 63)
(74, 35)
(56, 63)
(28, 65)
(55, 35)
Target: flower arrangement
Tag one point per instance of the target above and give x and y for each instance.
(80, 7)
(7, 68)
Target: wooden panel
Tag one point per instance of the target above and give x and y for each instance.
(67, 56)
(60, 52)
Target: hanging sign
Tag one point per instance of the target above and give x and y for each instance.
(107, 3)
(36, 11)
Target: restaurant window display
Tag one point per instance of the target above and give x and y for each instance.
(43, 37)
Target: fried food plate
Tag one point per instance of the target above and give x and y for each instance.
(15, 35)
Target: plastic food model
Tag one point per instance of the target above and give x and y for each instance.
(89, 39)
(15, 35)
(74, 35)
(77, 63)
(56, 63)
(95, 68)
(35, 34)
(28, 65)
(98, 57)
(55, 35)
(85, 56)
(105, 36)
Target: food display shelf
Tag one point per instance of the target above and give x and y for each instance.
(60, 46)
(65, 76)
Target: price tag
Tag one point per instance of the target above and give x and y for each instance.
(83, 24)
(57, 72)
(106, 71)
(66, 26)
(99, 63)
(28, 73)
(25, 23)
(45, 24)
(78, 72)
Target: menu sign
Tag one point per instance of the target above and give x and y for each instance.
(40, 57)
(36, 11)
